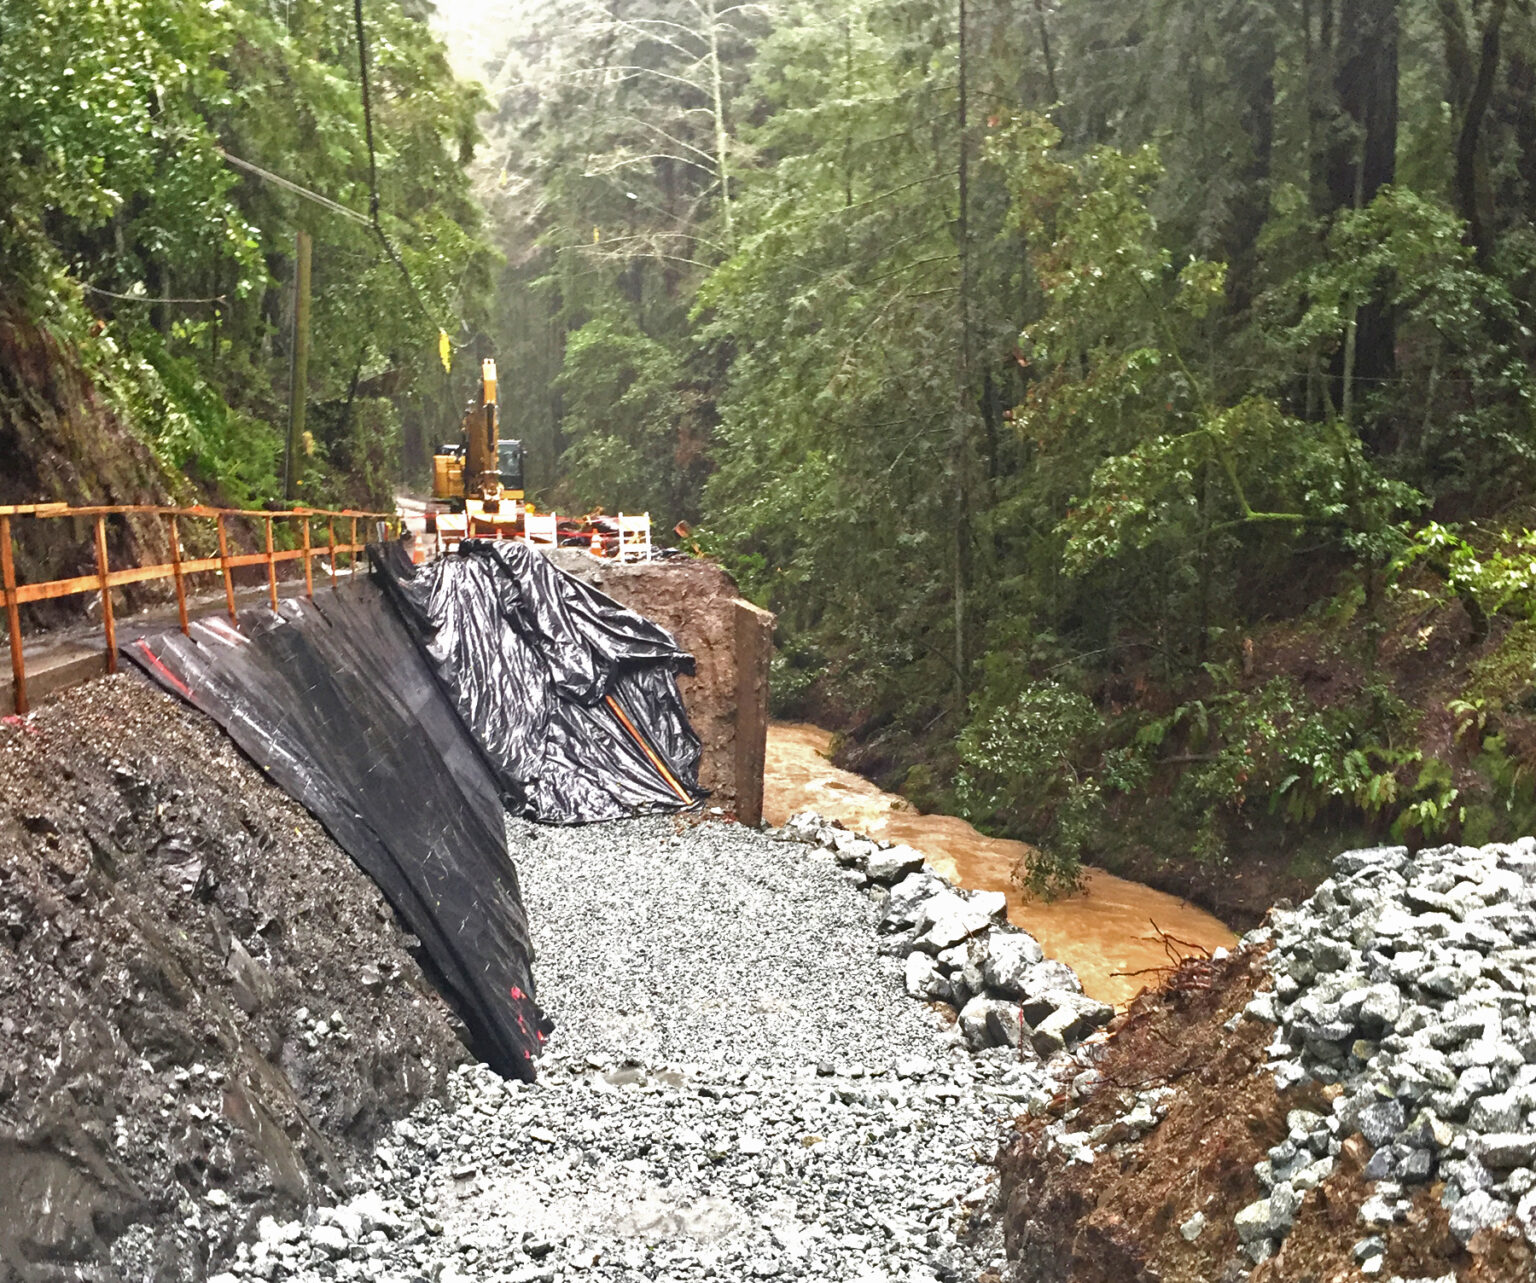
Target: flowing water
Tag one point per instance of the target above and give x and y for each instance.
(1107, 932)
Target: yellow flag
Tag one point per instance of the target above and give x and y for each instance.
(445, 351)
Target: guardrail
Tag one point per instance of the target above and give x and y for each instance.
(178, 568)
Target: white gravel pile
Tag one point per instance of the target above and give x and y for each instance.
(738, 1087)
(1410, 981)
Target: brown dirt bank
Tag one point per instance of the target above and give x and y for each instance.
(1118, 1219)
(206, 1010)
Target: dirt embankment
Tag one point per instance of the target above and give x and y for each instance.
(60, 441)
(1157, 1203)
(205, 1009)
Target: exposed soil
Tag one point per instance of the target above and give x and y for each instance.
(206, 1010)
(61, 442)
(1117, 1219)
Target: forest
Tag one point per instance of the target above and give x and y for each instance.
(1126, 407)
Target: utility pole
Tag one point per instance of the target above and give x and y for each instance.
(298, 367)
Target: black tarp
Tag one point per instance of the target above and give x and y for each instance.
(572, 697)
(335, 700)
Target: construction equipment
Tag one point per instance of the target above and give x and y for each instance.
(481, 476)
(479, 481)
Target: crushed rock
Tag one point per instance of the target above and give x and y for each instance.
(738, 1086)
(1345, 1097)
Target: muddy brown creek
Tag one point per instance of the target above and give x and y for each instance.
(1105, 932)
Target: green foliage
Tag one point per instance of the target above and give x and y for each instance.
(1042, 761)
(1462, 403)
(627, 410)
(1123, 387)
(1502, 579)
(1027, 760)
(169, 272)
(197, 432)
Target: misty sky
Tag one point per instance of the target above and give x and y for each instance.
(475, 30)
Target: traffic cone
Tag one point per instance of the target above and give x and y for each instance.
(597, 544)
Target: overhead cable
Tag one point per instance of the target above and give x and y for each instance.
(148, 298)
(289, 185)
(373, 171)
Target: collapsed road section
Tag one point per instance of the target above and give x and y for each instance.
(572, 697)
(207, 1008)
(333, 701)
(404, 710)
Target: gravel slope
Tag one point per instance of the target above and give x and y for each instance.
(738, 1087)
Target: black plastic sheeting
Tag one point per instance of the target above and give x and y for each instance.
(572, 697)
(335, 700)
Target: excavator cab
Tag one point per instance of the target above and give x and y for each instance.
(509, 466)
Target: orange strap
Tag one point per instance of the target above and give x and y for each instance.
(645, 748)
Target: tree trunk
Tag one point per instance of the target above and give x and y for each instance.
(1470, 183)
(1518, 108)
(1361, 160)
(717, 96)
(961, 521)
(1253, 72)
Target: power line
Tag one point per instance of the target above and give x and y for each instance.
(148, 298)
(335, 207)
(373, 170)
(362, 64)
(286, 184)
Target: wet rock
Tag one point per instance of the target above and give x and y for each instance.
(984, 1021)
(1478, 1210)
(893, 864)
(251, 982)
(1380, 1121)
(1010, 957)
(1406, 981)
(924, 980)
(949, 917)
(907, 898)
(1253, 1221)
(1505, 1150)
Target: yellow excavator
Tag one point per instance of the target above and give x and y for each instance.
(480, 477)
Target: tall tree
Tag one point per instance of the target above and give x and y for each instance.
(1360, 159)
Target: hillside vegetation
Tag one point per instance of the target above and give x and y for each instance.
(1126, 408)
(146, 282)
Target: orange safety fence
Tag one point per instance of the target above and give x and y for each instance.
(106, 579)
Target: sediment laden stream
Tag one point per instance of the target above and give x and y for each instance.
(1107, 932)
